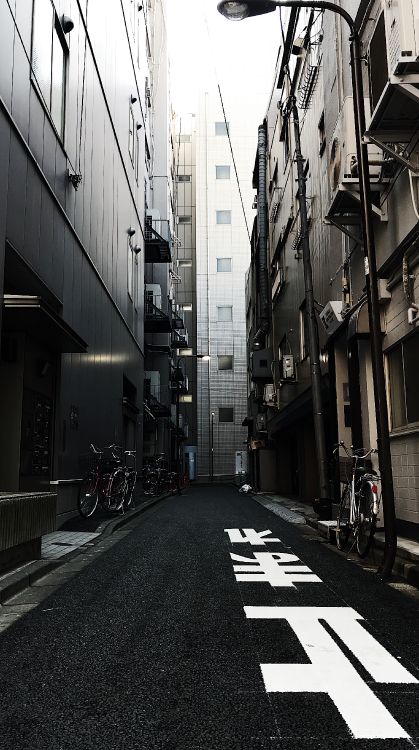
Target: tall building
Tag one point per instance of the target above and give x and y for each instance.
(83, 137)
(222, 257)
(314, 68)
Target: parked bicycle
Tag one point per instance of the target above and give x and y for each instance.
(157, 478)
(110, 483)
(359, 505)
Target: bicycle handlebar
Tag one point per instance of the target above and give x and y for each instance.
(354, 453)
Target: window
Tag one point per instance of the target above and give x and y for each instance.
(222, 172)
(186, 307)
(223, 217)
(185, 220)
(225, 414)
(223, 265)
(322, 135)
(183, 178)
(222, 128)
(225, 362)
(225, 314)
(186, 399)
(184, 139)
(130, 269)
(49, 60)
(284, 136)
(404, 394)
(378, 71)
(184, 263)
(137, 155)
(131, 136)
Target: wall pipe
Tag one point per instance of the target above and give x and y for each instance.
(262, 243)
(323, 504)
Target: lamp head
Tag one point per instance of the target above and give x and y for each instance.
(237, 10)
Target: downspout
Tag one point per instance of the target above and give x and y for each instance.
(262, 244)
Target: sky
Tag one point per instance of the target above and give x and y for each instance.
(202, 42)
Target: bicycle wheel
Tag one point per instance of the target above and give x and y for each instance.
(366, 520)
(117, 490)
(129, 495)
(88, 496)
(342, 528)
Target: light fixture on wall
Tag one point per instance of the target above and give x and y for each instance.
(130, 232)
(67, 24)
(75, 178)
(139, 126)
(137, 249)
(133, 99)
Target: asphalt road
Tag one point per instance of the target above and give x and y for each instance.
(154, 644)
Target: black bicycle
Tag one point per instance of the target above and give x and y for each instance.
(105, 484)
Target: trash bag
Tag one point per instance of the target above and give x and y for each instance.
(245, 488)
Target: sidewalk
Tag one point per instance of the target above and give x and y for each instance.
(63, 545)
(407, 558)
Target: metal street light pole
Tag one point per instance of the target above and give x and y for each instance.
(212, 446)
(236, 10)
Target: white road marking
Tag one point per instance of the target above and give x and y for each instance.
(268, 567)
(250, 536)
(331, 672)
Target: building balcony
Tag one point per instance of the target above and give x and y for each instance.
(155, 320)
(157, 241)
(155, 407)
(179, 340)
(177, 322)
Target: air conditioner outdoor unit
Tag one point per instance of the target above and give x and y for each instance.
(261, 422)
(331, 316)
(401, 18)
(269, 395)
(343, 158)
(287, 367)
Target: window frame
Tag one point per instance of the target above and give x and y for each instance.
(225, 126)
(225, 357)
(57, 35)
(218, 215)
(226, 409)
(221, 270)
(222, 166)
(224, 307)
(405, 385)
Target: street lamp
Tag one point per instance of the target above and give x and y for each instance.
(203, 358)
(238, 10)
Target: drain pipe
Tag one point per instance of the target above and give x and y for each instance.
(323, 504)
(262, 244)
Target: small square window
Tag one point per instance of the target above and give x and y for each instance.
(224, 265)
(184, 263)
(225, 414)
(222, 128)
(184, 219)
(184, 138)
(225, 314)
(187, 307)
(223, 217)
(225, 362)
(222, 172)
(183, 178)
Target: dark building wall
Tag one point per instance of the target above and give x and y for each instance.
(75, 243)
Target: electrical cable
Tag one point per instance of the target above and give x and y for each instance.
(228, 131)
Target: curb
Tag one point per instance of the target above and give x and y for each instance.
(18, 580)
(405, 564)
